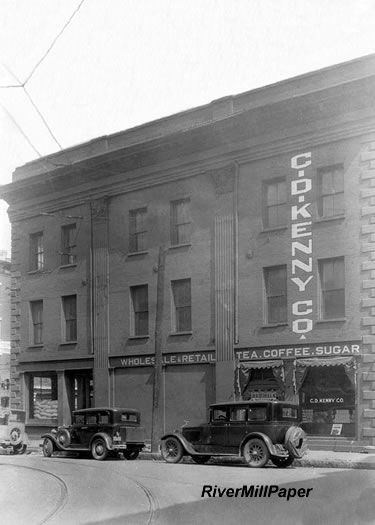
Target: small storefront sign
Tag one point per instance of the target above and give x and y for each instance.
(168, 359)
(336, 429)
(297, 351)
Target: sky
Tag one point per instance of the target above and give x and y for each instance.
(95, 67)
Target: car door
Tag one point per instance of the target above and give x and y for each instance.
(85, 432)
(218, 428)
(237, 428)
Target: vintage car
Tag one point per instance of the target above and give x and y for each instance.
(103, 432)
(257, 431)
(12, 430)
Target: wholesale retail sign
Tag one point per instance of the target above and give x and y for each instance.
(302, 272)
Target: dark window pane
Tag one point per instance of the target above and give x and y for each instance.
(137, 230)
(139, 296)
(332, 279)
(334, 304)
(180, 222)
(182, 302)
(276, 294)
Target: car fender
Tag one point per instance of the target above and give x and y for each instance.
(52, 437)
(184, 442)
(263, 437)
(103, 435)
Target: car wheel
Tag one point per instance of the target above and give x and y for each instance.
(256, 453)
(19, 449)
(15, 436)
(172, 450)
(295, 441)
(131, 454)
(63, 437)
(48, 447)
(201, 460)
(282, 462)
(99, 449)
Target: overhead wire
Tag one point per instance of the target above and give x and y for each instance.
(22, 85)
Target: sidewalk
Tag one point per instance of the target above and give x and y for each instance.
(313, 458)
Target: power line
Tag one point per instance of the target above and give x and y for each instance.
(21, 131)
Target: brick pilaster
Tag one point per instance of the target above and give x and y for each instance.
(367, 225)
(15, 321)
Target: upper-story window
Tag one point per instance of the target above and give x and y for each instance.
(332, 285)
(70, 318)
(139, 298)
(180, 222)
(36, 251)
(331, 191)
(36, 309)
(137, 230)
(276, 294)
(68, 244)
(181, 314)
(275, 211)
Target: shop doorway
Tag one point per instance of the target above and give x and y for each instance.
(327, 397)
(80, 390)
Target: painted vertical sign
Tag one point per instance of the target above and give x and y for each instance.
(302, 274)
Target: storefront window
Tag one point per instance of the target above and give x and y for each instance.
(328, 402)
(43, 396)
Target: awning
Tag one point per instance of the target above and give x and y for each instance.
(242, 374)
(349, 364)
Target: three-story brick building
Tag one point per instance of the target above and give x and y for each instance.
(234, 242)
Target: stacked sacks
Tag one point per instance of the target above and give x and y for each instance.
(45, 409)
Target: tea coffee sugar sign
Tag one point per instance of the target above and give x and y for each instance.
(302, 274)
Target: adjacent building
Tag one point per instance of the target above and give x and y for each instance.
(223, 252)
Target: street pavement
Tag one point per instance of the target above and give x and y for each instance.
(72, 491)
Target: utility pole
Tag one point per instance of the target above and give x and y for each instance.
(158, 365)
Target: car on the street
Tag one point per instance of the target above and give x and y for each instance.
(257, 431)
(12, 430)
(103, 432)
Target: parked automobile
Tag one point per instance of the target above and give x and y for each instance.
(103, 432)
(12, 430)
(257, 431)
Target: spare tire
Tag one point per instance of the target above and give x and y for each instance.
(295, 442)
(63, 437)
(15, 436)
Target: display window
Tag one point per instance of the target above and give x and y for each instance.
(327, 397)
(43, 396)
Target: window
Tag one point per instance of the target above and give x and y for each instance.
(137, 230)
(276, 296)
(78, 419)
(36, 308)
(332, 283)
(43, 396)
(36, 252)
(139, 297)
(274, 204)
(180, 222)
(181, 292)
(238, 414)
(219, 414)
(68, 244)
(331, 191)
(257, 413)
(70, 317)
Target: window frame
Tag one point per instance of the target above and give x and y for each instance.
(136, 232)
(322, 291)
(31, 394)
(135, 332)
(176, 320)
(266, 206)
(321, 172)
(177, 238)
(35, 324)
(268, 297)
(69, 321)
(36, 252)
(68, 248)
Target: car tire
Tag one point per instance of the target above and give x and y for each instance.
(295, 442)
(99, 450)
(172, 450)
(63, 437)
(201, 460)
(282, 462)
(131, 454)
(19, 449)
(256, 453)
(15, 436)
(48, 447)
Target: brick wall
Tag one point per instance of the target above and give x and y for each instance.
(367, 199)
(15, 321)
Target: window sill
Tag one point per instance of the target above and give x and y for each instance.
(176, 246)
(329, 219)
(273, 325)
(334, 320)
(41, 422)
(66, 266)
(274, 229)
(36, 272)
(136, 337)
(68, 343)
(134, 254)
(36, 347)
(188, 332)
